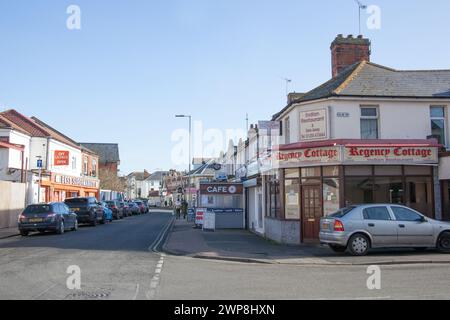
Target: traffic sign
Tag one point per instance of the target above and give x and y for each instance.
(39, 163)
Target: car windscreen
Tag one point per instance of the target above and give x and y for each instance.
(342, 212)
(76, 201)
(37, 209)
(110, 203)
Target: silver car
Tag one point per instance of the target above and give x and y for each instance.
(360, 228)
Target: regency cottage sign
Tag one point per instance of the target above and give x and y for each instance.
(422, 155)
(310, 156)
(314, 125)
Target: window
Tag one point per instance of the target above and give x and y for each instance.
(94, 167)
(292, 196)
(404, 214)
(438, 123)
(74, 163)
(85, 166)
(377, 213)
(369, 123)
(331, 199)
(287, 131)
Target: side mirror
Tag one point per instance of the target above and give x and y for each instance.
(423, 219)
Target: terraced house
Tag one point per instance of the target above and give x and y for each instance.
(371, 134)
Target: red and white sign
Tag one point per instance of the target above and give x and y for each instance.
(310, 156)
(391, 154)
(200, 216)
(314, 125)
(61, 158)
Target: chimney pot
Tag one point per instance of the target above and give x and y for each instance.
(348, 51)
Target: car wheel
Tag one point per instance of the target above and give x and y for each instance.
(359, 245)
(103, 221)
(61, 228)
(443, 244)
(75, 226)
(24, 233)
(94, 222)
(338, 249)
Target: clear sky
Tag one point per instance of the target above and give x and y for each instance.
(136, 63)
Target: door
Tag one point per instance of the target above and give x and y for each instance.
(311, 211)
(412, 228)
(379, 223)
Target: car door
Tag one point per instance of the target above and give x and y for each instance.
(379, 222)
(70, 217)
(413, 228)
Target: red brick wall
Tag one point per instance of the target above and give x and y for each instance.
(348, 51)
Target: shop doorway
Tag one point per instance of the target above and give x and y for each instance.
(312, 212)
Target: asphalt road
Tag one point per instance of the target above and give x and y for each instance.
(114, 260)
(116, 263)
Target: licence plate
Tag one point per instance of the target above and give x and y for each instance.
(35, 220)
(325, 226)
(76, 209)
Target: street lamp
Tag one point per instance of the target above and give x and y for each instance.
(190, 141)
(39, 164)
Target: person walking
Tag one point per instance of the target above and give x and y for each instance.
(178, 209)
(184, 209)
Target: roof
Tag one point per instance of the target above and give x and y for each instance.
(56, 134)
(107, 152)
(366, 79)
(202, 170)
(158, 175)
(140, 176)
(17, 121)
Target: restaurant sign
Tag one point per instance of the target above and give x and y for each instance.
(409, 154)
(221, 189)
(314, 125)
(75, 181)
(311, 156)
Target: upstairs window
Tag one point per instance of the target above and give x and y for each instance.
(369, 123)
(287, 131)
(438, 123)
(85, 166)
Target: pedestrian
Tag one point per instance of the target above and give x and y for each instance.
(178, 209)
(184, 209)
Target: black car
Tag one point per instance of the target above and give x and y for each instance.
(88, 210)
(55, 217)
(125, 208)
(116, 209)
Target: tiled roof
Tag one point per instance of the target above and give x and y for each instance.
(140, 176)
(107, 152)
(158, 175)
(366, 79)
(55, 134)
(26, 125)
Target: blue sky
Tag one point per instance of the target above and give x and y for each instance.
(135, 63)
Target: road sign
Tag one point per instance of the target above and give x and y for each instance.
(39, 163)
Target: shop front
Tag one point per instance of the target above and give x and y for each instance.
(444, 177)
(312, 180)
(57, 187)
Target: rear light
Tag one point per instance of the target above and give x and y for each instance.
(339, 226)
(22, 217)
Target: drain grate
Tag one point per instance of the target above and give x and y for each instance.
(86, 295)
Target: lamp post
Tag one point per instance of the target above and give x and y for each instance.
(190, 141)
(39, 164)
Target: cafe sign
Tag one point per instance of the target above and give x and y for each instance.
(75, 181)
(221, 189)
(314, 125)
(394, 154)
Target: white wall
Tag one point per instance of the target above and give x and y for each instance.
(398, 119)
(73, 152)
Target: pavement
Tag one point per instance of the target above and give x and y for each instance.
(8, 233)
(244, 246)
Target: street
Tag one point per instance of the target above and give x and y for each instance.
(116, 262)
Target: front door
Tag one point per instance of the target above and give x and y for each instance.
(311, 212)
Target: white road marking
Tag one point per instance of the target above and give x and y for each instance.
(137, 292)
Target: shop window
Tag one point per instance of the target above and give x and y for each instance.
(377, 213)
(389, 190)
(273, 203)
(438, 123)
(417, 171)
(292, 199)
(358, 171)
(332, 171)
(388, 171)
(331, 199)
(419, 194)
(311, 172)
(291, 173)
(369, 123)
(359, 190)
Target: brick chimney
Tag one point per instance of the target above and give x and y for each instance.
(347, 51)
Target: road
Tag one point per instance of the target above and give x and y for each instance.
(116, 263)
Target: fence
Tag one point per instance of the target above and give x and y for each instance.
(12, 203)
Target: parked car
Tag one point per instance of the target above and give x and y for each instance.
(55, 217)
(125, 208)
(116, 209)
(361, 228)
(107, 212)
(88, 210)
(147, 206)
(141, 206)
(134, 208)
